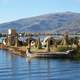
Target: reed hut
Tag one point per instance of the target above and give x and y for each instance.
(65, 39)
(51, 39)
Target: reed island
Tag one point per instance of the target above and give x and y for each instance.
(43, 44)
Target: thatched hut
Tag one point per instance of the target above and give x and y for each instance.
(51, 39)
(31, 41)
(65, 39)
(79, 42)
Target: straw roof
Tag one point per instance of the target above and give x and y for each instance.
(48, 37)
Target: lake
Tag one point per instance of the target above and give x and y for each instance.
(13, 67)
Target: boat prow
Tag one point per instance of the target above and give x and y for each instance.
(28, 54)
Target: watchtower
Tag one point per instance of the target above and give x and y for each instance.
(11, 36)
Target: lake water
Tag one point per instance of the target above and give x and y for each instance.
(14, 67)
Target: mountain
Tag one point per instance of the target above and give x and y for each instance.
(57, 22)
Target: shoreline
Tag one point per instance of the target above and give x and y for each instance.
(21, 51)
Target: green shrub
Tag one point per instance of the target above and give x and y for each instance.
(62, 49)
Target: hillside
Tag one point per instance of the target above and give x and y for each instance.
(57, 22)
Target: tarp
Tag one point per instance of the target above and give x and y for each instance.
(1, 39)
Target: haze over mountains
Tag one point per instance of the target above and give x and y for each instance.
(57, 22)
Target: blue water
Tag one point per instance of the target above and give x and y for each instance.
(14, 67)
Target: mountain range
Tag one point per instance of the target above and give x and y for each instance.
(56, 22)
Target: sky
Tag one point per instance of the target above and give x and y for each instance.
(11, 10)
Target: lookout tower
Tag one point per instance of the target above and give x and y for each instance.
(11, 36)
(12, 32)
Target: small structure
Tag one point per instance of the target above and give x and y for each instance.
(16, 41)
(29, 41)
(12, 32)
(65, 39)
(79, 42)
(11, 37)
(50, 38)
(48, 42)
(5, 41)
(29, 45)
(39, 43)
(48, 45)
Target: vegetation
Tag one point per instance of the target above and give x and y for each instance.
(77, 54)
(63, 49)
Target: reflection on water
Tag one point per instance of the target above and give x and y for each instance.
(14, 67)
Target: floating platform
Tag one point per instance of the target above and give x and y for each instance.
(67, 54)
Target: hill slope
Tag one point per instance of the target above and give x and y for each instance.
(58, 22)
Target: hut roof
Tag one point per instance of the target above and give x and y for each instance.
(31, 39)
(23, 39)
(48, 37)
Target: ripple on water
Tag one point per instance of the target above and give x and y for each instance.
(14, 67)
